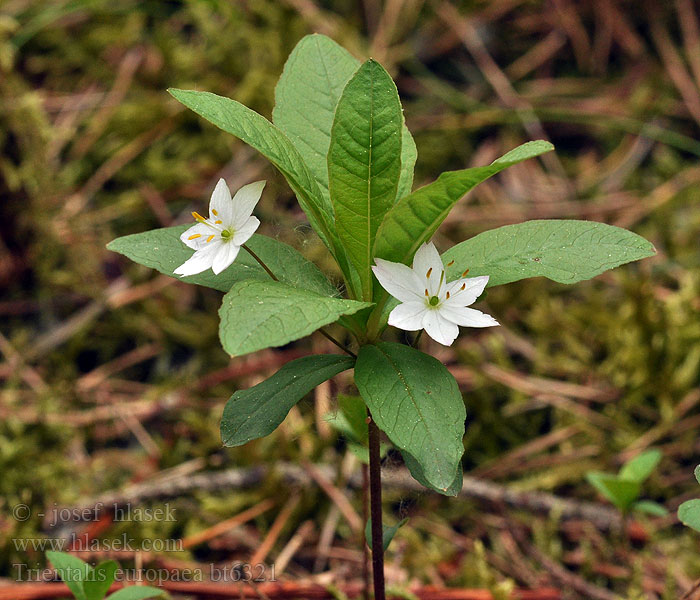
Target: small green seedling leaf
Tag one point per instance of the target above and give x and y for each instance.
(621, 492)
(414, 218)
(388, 532)
(416, 401)
(161, 249)
(689, 514)
(364, 163)
(100, 580)
(641, 466)
(697, 473)
(256, 131)
(137, 592)
(564, 251)
(260, 314)
(258, 411)
(650, 507)
(73, 571)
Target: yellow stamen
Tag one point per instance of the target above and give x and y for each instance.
(464, 285)
(447, 295)
(210, 238)
(198, 217)
(449, 264)
(430, 270)
(426, 293)
(213, 212)
(465, 273)
(218, 222)
(195, 236)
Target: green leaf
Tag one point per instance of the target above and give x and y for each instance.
(161, 249)
(641, 466)
(409, 154)
(256, 131)
(362, 452)
(350, 419)
(259, 314)
(306, 97)
(137, 592)
(72, 571)
(562, 250)
(621, 492)
(416, 471)
(697, 473)
(388, 532)
(100, 580)
(414, 219)
(415, 400)
(256, 412)
(364, 163)
(651, 508)
(689, 514)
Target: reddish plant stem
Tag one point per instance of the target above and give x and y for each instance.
(365, 548)
(375, 494)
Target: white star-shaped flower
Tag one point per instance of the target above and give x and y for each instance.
(427, 300)
(217, 240)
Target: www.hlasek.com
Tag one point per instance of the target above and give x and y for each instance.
(83, 543)
(239, 572)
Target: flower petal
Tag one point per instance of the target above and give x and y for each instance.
(399, 280)
(427, 259)
(200, 261)
(243, 234)
(473, 288)
(201, 230)
(224, 256)
(408, 316)
(467, 317)
(244, 202)
(441, 330)
(221, 203)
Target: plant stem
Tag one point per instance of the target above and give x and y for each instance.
(260, 262)
(322, 331)
(375, 494)
(328, 336)
(365, 516)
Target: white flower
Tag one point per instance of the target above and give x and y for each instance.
(217, 240)
(427, 300)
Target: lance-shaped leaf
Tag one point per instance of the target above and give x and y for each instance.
(259, 314)
(101, 579)
(364, 163)
(621, 492)
(415, 218)
(562, 250)
(161, 249)
(641, 466)
(73, 571)
(415, 400)
(256, 131)
(258, 411)
(306, 97)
